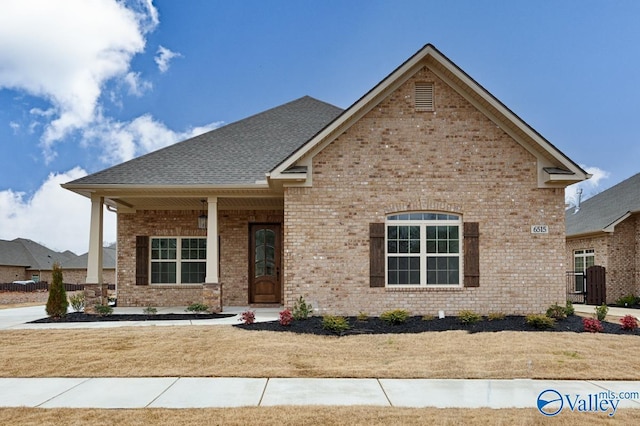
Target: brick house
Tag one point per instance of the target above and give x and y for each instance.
(605, 231)
(426, 194)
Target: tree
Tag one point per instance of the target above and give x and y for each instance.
(57, 303)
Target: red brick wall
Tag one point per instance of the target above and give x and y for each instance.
(396, 159)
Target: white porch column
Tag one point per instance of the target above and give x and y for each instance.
(94, 262)
(212, 241)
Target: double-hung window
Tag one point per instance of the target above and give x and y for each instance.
(423, 249)
(176, 260)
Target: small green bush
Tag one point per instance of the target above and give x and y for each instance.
(149, 310)
(362, 316)
(104, 310)
(57, 303)
(469, 317)
(628, 300)
(540, 321)
(335, 324)
(301, 309)
(496, 316)
(601, 312)
(77, 301)
(197, 308)
(395, 317)
(557, 312)
(568, 309)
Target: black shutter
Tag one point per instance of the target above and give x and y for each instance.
(142, 260)
(376, 255)
(471, 254)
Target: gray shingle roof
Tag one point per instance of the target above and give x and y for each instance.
(80, 262)
(27, 253)
(603, 209)
(238, 153)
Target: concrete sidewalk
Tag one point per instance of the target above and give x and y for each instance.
(192, 392)
(614, 311)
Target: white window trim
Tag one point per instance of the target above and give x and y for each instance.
(423, 249)
(178, 260)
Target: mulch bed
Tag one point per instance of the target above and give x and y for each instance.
(313, 325)
(82, 317)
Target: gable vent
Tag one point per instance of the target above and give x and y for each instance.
(424, 96)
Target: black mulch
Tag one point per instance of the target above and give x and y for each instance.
(313, 325)
(82, 317)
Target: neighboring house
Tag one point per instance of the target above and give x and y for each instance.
(605, 231)
(426, 194)
(22, 259)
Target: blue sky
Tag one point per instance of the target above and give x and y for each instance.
(85, 84)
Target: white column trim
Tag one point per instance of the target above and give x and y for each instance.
(212, 276)
(94, 261)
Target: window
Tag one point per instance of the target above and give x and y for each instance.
(582, 259)
(178, 260)
(423, 249)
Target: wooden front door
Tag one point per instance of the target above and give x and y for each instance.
(264, 263)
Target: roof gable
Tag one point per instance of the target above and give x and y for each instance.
(602, 212)
(554, 168)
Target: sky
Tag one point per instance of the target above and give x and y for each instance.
(87, 84)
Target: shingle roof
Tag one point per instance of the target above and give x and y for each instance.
(80, 262)
(601, 210)
(27, 253)
(238, 153)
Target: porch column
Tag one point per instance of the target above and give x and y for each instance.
(93, 291)
(212, 276)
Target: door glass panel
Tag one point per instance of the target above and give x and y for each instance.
(265, 253)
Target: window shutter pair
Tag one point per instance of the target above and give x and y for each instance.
(142, 260)
(471, 247)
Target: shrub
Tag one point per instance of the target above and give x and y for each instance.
(629, 322)
(395, 317)
(592, 325)
(77, 301)
(335, 324)
(568, 309)
(428, 317)
(197, 308)
(557, 312)
(248, 317)
(495, 316)
(469, 317)
(149, 310)
(301, 309)
(628, 300)
(286, 317)
(362, 316)
(57, 303)
(601, 312)
(104, 310)
(540, 321)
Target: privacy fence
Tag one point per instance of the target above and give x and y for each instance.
(42, 286)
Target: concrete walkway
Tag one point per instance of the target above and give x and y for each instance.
(614, 311)
(193, 392)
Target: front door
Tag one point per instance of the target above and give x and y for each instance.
(264, 263)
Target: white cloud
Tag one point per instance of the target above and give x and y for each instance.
(137, 86)
(590, 187)
(65, 50)
(14, 126)
(122, 141)
(53, 216)
(163, 57)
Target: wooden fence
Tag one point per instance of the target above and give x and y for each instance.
(43, 286)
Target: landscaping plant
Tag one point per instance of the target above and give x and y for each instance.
(539, 321)
(149, 310)
(247, 317)
(57, 303)
(395, 317)
(468, 317)
(198, 308)
(286, 317)
(628, 300)
(592, 325)
(301, 309)
(362, 316)
(601, 312)
(495, 316)
(629, 322)
(104, 310)
(569, 310)
(335, 324)
(557, 312)
(77, 301)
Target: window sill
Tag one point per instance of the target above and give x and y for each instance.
(421, 289)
